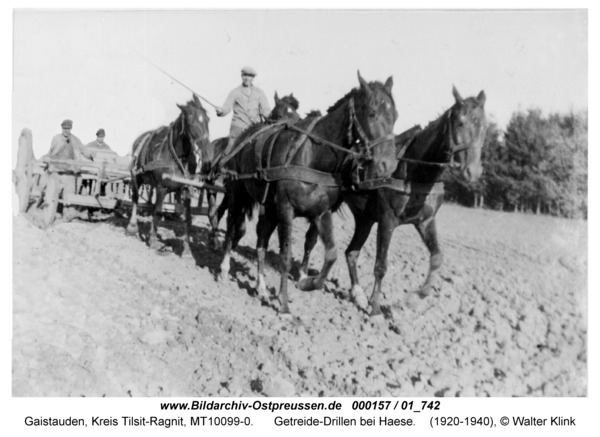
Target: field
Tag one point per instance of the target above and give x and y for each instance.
(96, 313)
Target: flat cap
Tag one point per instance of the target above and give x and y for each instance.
(100, 133)
(249, 70)
(67, 124)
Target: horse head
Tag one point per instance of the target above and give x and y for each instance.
(372, 129)
(467, 126)
(195, 122)
(285, 109)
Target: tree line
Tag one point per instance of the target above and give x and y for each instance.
(538, 164)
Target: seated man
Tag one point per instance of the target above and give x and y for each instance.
(64, 146)
(99, 143)
(249, 105)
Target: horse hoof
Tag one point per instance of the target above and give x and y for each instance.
(361, 302)
(263, 294)
(187, 253)
(222, 277)
(414, 301)
(132, 230)
(216, 244)
(425, 291)
(377, 319)
(287, 316)
(163, 250)
(359, 297)
(307, 283)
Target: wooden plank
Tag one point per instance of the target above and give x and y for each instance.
(167, 207)
(81, 200)
(193, 183)
(111, 203)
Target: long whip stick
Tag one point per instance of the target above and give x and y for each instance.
(179, 82)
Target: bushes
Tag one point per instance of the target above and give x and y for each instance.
(537, 165)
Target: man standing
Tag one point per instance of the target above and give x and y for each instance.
(62, 180)
(99, 143)
(249, 104)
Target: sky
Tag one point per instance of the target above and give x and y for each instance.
(84, 65)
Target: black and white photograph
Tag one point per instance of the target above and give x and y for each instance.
(269, 203)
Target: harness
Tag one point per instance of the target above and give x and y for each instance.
(143, 166)
(408, 187)
(287, 171)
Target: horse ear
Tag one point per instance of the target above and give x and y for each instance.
(276, 99)
(481, 98)
(180, 107)
(197, 100)
(363, 83)
(389, 84)
(456, 95)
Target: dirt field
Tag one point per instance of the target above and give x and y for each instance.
(96, 313)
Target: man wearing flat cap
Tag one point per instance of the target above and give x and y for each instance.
(65, 146)
(248, 102)
(99, 143)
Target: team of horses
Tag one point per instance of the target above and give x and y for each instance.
(288, 167)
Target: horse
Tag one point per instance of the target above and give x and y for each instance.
(285, 109)
(414, 194)
(300, 170)
(168, 150)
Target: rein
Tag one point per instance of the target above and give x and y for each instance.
(172, 150)
(301, 173)
(361, 133)
(455, 150)
(408, 187)
(168, 141)
(354, 122)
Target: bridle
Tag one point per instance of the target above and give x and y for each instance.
(455, 147)
(183, 131)
(362, 137)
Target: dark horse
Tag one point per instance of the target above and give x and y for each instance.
(414, 194)
(285, 109)
(168, 150)
(300, 172)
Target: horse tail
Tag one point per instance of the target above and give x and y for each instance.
(212, 156)
(244, 202)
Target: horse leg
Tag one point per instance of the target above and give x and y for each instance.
(310, 240)
(324, 226)
(222, 208)
(153, 239)
(385, 230)
(362, 230)
(265, 228)
(132, 227)
(427, 231)
(235, 221)
(285, 217)
(187, 210)
(213, 218)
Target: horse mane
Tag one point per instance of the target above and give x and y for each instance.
(375, 85)
(314, 113)
(292, 101)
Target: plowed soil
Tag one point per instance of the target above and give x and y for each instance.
(97, 313)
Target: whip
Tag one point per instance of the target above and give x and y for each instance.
(179, 82)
